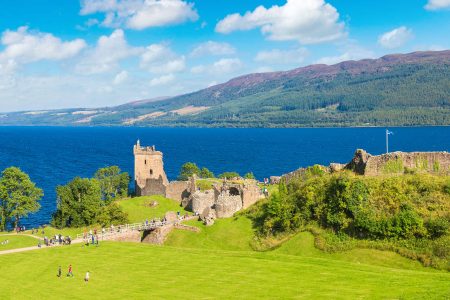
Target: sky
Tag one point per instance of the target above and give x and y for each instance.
(95, 53)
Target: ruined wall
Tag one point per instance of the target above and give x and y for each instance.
(250, 195)
(151, 187)
(399, 162)
(177, 190)
(201, 200)
(226, 205)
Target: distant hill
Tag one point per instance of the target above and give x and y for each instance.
(398, 89)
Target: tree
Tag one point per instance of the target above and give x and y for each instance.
(19, 196)
(205, 173)
(78, 203)
(187, 170)
(249, 175)
(113, 183)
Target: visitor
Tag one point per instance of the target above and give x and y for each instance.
(59, 272)
(96, 240)
(92, 238)
(39, 244)
(70, 271)
(86, 277)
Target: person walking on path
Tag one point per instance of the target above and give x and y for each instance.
(70, 271)
(86, 277)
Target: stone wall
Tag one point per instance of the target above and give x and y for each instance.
(158, 235)
(226, 205)
(151, 187)
(251, 193)
(177, 190)
(399, 162)
(201, 200)
(130, 236)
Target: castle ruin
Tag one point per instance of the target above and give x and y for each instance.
(222, 200)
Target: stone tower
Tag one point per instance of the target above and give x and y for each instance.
(149, 175)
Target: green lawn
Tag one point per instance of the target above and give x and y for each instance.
(225, 234)
(142, 271)
(139, 209)
(17, 241)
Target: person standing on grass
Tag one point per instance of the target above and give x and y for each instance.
(86, 277)
(70, 271)
(59, 272)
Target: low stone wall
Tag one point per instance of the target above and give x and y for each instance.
(129, 236)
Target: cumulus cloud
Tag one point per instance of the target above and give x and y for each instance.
(224, 65)
(160, 59)
(306, 21)
(107, 53)
(23, 46)
(437, 4)
(213, 48)
(120, 77)
(349, 51)
(395, 38)
(162, 80)
(140, 14)
(277, 56)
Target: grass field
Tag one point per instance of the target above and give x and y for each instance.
(216, 263)
(141, 271)
(17, 241)
(139, 209)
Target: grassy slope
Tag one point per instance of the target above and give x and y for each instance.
(138, 208)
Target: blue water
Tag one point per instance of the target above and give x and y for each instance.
(54, 155)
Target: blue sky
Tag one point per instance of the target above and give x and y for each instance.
(59, 54)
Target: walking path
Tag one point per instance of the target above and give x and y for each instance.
(77, 241)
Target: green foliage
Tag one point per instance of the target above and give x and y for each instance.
(399, 208)
(86, 201)
(205, 173)
(249, 175)
(393, 166)
(229, 175)
(19, 196)
(113, 183)
(187, 170)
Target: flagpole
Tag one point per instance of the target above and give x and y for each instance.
(387, 141)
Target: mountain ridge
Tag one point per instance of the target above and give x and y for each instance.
(396, 89)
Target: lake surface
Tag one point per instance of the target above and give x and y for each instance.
(54, 155)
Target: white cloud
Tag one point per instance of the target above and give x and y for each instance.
(395, 38)
(349, 51)
(24, 46)
(120, 77)
(140, 14)
(437, 4)
(277, 56)
(162, 80)
(106, 55)
(213, 48)
(160, 59)
(306, 21)
(224, 65)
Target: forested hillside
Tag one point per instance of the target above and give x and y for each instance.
(407, 89)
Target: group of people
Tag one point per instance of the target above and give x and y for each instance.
(57, 239)
(92, 237)
(5, 242)
(20, 229)
(70, 273)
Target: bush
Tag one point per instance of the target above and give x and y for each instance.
(229, 175)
